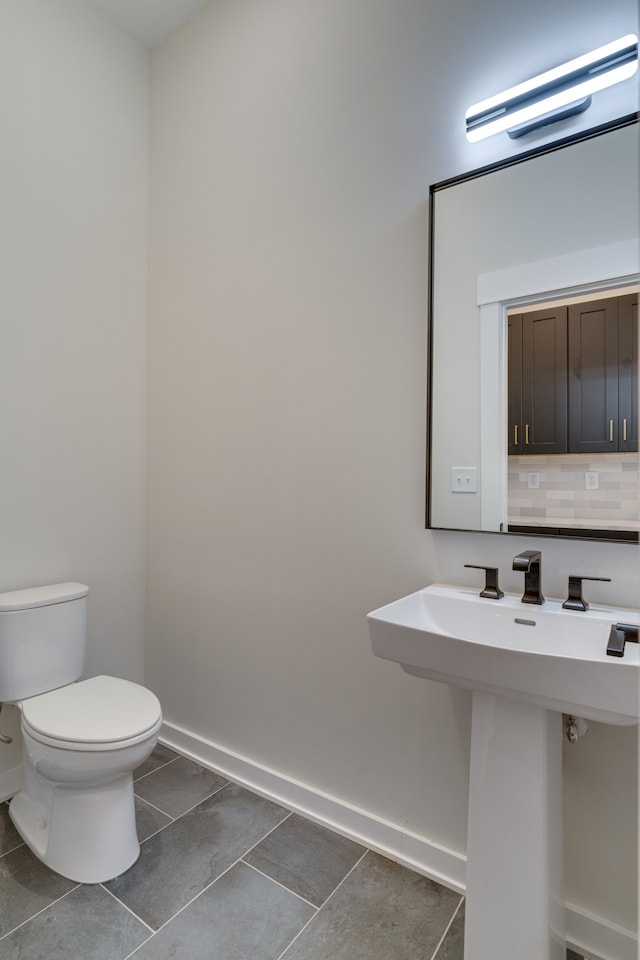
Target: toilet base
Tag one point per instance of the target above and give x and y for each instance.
(86, 835)
(76, 809)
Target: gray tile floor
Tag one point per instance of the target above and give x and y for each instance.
(224, 874)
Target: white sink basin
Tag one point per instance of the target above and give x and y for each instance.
(555, 659)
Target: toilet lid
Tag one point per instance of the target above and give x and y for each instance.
(98, 711)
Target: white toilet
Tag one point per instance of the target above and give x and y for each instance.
(81, 740)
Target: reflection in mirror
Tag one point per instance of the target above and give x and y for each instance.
(572, 402)
(547, 231)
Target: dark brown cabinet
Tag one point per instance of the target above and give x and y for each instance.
(573, 378)
(603, 375)
(537, 387)
(628, 368)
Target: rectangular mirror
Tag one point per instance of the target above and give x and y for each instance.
(536, 237)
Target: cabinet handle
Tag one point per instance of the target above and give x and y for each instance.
(624, 429)
(515, 433)
(610, 431)
(526, 433)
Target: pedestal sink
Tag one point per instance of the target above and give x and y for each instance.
(526, 666)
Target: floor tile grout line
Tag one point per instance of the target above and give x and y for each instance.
(184, 812)
(215, 792)
(193, 899)
(447, 928)
(139, 947)
(209, 885)
(167, 763)
(317, 913)
(20, 843)
(160, 810)
(226, 783)
(267, 834)
(17, 847)
(154, 806)
(38, 912)
(154, 834)
(279, 884)
(128, 909)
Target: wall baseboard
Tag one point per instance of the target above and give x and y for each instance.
(585, 931)
(593, 934)
(390, 839)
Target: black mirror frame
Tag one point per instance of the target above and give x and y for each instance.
(627, 120)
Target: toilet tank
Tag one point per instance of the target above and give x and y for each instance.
(43, 638)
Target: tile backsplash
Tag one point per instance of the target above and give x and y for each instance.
(585, 489)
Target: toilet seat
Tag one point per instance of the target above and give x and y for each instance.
(102, 713)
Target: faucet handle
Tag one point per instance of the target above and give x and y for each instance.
(620, 634)
(491, 588)
(575, 600)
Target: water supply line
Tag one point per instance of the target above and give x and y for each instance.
(3, 737)
(575, 727)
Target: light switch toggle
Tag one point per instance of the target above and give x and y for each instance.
(464, 479)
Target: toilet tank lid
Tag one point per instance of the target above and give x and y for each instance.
(41, 596)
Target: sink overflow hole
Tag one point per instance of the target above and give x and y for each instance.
(527, 623)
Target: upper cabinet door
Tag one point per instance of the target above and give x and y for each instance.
(603, 375)
(544, 380)
(628, 372)
(593, 376)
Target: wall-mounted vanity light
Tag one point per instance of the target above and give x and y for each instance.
(554, 95)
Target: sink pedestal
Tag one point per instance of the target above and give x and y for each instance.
(515, 897)
(526, 667)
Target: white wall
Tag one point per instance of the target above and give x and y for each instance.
(292, 146)
(73, 234)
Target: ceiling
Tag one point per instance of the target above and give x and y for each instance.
(150, 21)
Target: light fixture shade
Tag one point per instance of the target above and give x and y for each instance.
(555, 94)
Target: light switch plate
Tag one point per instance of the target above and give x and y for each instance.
(464, 479)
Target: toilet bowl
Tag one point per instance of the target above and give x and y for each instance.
(81, 744)
(81, 739)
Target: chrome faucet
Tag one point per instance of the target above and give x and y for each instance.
(530, 562)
